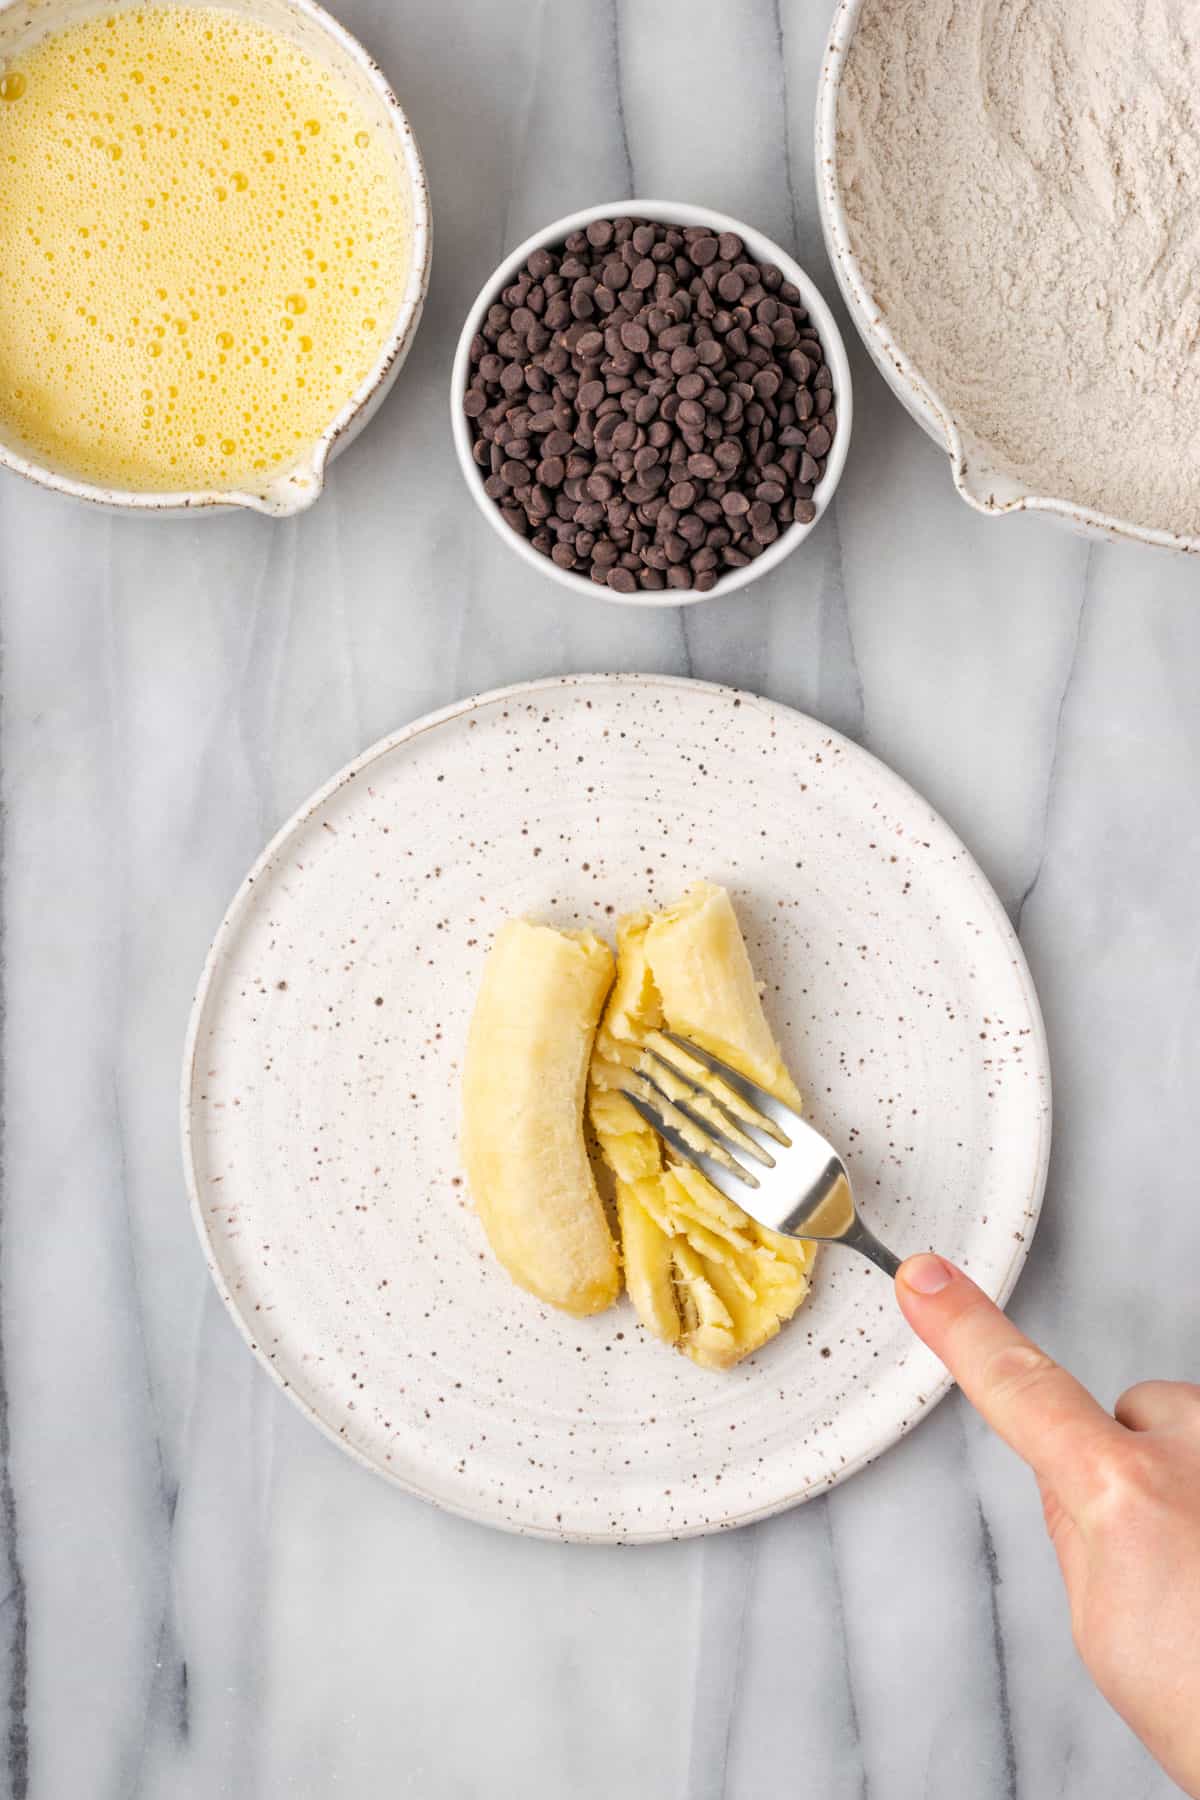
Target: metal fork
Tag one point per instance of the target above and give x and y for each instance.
(755, 1150)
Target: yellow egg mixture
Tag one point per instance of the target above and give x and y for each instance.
(203, 247)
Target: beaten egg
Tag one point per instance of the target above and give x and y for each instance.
(205, 244)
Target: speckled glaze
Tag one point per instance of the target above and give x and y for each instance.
(987, 489)
(320, 1097)
(24, 22)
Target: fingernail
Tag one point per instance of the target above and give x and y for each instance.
(926, 1274)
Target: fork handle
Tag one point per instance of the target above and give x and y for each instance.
(859, 1238)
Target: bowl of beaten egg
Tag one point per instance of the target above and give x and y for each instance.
(215, 239)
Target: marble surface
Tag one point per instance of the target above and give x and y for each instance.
(199, 1595)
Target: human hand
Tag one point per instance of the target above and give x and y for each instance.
(1121, 1498)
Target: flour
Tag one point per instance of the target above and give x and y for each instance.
(1022, 182)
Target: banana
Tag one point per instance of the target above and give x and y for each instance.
(524, 1084)
(700, 1272)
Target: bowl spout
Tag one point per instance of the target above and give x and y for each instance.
(292, 491)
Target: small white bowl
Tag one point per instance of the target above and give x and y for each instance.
(24, 22)
(982, 486)
(667, 212)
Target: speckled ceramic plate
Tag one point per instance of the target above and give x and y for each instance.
(321, 1095)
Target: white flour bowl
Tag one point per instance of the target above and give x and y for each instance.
(24, 22)
(983, 486)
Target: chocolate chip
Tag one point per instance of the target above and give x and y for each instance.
(649, 406)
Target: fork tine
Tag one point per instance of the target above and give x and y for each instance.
(722, 1179)
(727, 1127)
(726, 1144)
(745, 1103)
(758, 1099)
(733, 1124)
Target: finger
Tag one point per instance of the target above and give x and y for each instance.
(1160, 1406)
(1043, 1413)
(1054, 1512)
(1064, 1535)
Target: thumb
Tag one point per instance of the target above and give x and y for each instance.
(1043, 1413)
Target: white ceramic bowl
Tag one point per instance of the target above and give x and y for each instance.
(24, 22)
(764, 251)
(980, 484)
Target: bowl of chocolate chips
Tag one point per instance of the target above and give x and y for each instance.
(651, 403)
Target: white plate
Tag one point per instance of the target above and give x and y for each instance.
(321, 1079)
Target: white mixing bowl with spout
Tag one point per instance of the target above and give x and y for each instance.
(24, 22)
(983, 486)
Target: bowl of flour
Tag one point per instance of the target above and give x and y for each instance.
(1008, 197)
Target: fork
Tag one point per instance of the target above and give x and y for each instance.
(757, 1152)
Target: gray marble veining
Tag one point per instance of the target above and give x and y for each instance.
(200, 1597)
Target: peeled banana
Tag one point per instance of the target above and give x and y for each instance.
(701, 1274)
(524, 1085)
